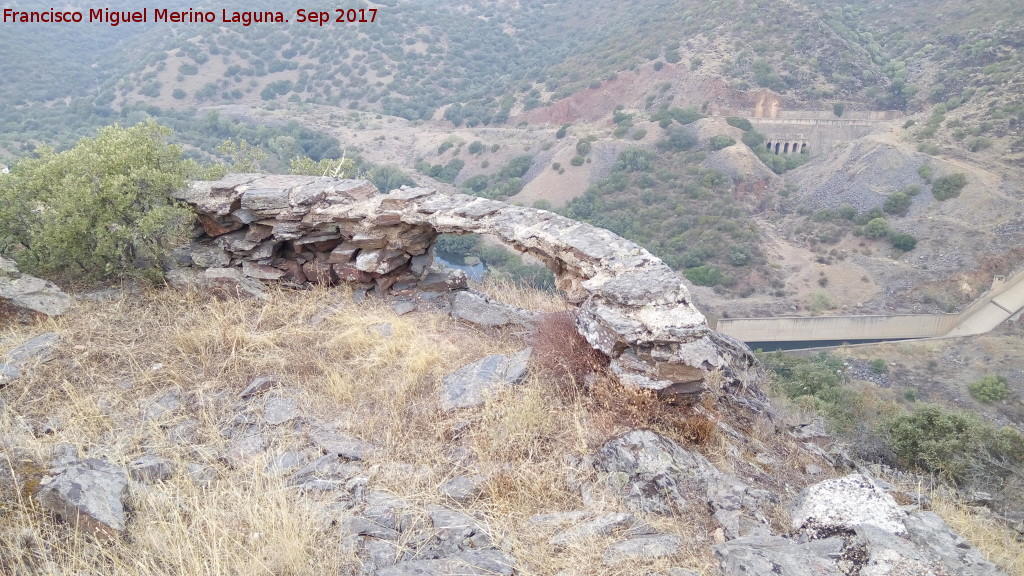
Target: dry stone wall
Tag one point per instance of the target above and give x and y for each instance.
(305, 229)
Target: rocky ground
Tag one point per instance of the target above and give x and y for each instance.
(316, 433)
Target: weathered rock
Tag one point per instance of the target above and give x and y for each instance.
(480, 310)
(652, 473)
(89, 494)
(244, 449)
(162, 405)
(470, 385)
(150, 468)
(230, 283)
(942, 544)
(601, 525)
(463, 488)
(26, 292)
(325, 473)
(466, 563)
(642, 548)
(776, 555)
(280, 409)
(844, 504)
(403, 307)
(37, 349)
(340, 445)
(738, 507)
(259, 385)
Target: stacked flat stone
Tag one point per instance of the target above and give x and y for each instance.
(633, 307)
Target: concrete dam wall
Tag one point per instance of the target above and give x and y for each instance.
(814, 132)
(1004, 300)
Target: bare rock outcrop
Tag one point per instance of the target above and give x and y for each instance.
(88, 494)
(632, 306)
(26, 292)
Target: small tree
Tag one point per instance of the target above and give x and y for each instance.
(99, 211)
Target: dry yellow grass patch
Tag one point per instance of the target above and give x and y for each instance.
(358, 368)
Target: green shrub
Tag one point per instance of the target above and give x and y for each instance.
(957, 445)
(897, 203)
(583, 147)
(741, 123)
(876, 228)
(720, 141)
(904, 242)
(925, 172)
(947, 187)
(990, 389)
(706, 275)
(878, 366)
(838, 108)
(99, 211)
(577, 160)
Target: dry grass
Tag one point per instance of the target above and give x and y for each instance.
(362, 371)
(996, 542)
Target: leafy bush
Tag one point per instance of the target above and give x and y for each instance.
(897, 203)
(677, 139)
(876, 228)
(878, 366)
(577, 160)
(516, 167)
(958, 445)
(946, 187)
(990, 389)
(388, 178)
(706, 275)
(583, 147)
(741, 123)
(904, 242)
(99, 211)
(925, 172)
(720, 141)
(634, 160)
(475, 147)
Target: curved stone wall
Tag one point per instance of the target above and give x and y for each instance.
(632, 306)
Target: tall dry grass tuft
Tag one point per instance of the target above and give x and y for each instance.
(561, 352)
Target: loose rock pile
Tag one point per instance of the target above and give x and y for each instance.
(304, 229)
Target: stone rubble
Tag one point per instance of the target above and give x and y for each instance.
(305, 229)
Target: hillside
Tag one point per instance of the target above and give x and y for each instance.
(782, 158)
(307, 432)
